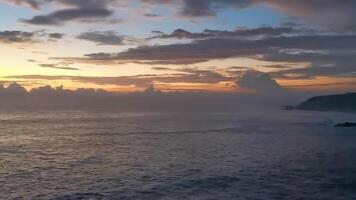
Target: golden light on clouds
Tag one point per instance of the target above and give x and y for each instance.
(320, 83)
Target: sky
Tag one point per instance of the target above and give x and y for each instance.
(219, 46)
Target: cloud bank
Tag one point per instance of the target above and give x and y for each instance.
(15, 97)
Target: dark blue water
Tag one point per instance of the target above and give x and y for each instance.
(256, 155)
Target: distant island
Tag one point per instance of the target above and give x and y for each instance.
(341, 102)
(346, 124)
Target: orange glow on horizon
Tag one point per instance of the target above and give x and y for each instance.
(320, 83)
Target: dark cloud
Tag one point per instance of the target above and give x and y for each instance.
(332, 62)
(13, 89)
(61, 16)
(198, 51)
(221, 48)
(256, 32)
(325, 52)
(328, 13)
(74, 10)
(17, 37)
(151, 15)
(103, 37)
(55, 35)
(242, 33)
(194, 8)
(27, 37)
(258, 81)
(197, 8)
(16, 96)
(157, 32)
(181, 34)
(331, 14)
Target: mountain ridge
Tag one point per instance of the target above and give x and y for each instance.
(336, 102)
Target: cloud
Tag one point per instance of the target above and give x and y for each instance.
(335, 62)
(13, 89)
(277, 66)
(40, 52)
(330, 14)
(181, 34)
(46, 97)
(324, 53)
(313, 71)
(103, 37)
(61, 16)
(27, 37)
(195, 52)
(55, 66)
(86, 3)
(327, 13)
(182, 76)
(297, 48)
(161, 68)
(55, 35)
(17, 37)
(151, 90)
(193, 8)
(151, 15)
(35, 4)
(241, 32)
(38, 4)
(74, 10)
(259, 81)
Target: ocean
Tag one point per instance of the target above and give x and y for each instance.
(253, 155)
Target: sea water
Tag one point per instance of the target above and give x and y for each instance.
(153, 155)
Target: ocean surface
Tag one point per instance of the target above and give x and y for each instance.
(150, 155)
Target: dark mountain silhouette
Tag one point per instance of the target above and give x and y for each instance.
(341, 102)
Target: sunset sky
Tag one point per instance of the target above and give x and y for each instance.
(179, 45)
